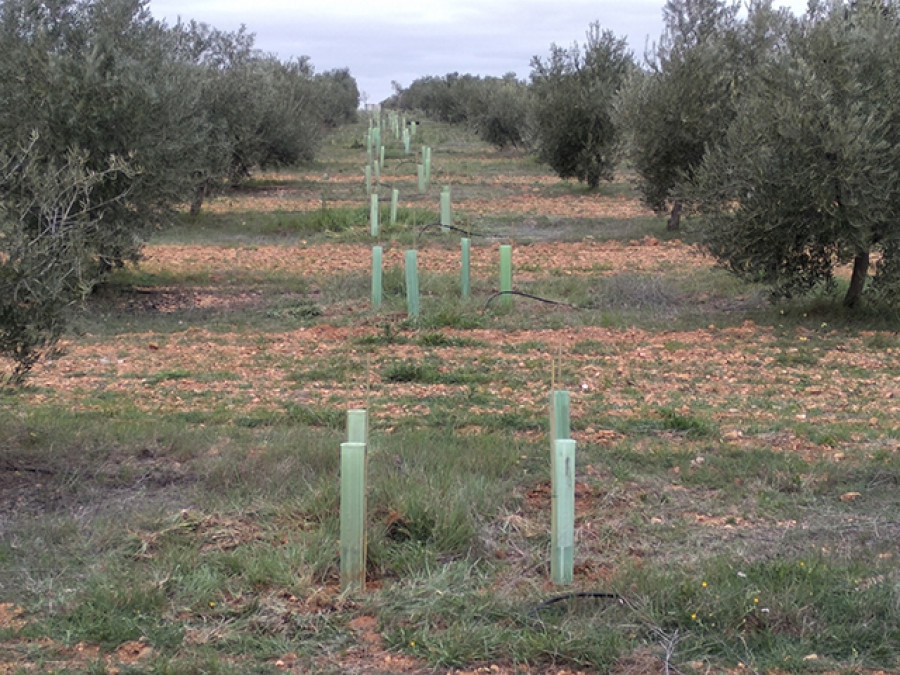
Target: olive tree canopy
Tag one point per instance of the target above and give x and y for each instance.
(808, 175)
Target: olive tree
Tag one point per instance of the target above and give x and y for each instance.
(572, 97)
(684, 101)
(124, 118)
(336, 97)
(98, 78)
(99, 133)
(440, 97)
(808, 175)
(495, 108)
(257, 111)
(49, 214)
(499, 112)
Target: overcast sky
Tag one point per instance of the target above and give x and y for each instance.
(401, 40)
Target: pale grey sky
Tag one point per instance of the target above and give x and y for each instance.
(380, 41)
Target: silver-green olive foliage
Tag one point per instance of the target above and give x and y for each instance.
(47, 223)
(109, 122)
(98, 78)
(572, 102)
(496, 108)
(807, 177)
(685, 99)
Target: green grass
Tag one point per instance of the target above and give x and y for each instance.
(262, 527)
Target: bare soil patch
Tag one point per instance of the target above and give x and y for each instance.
(221, 263)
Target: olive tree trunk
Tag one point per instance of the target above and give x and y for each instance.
(857, 279)
(199, 196)
(674, 223)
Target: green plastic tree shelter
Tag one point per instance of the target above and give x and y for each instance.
(412, 284)
(369, 179)
(560, 429)
(426, 160)
(377, 276)
(562, 509)
(373, 215)
(395, 199)
(446, 213)
(506, 271)
(357, 426)
(353, 516)
(420, 170)
(560, 426)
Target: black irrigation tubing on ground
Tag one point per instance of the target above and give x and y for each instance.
(26, 469)
(594, 595)
(405, 161)
(530, 296)
(459, 229)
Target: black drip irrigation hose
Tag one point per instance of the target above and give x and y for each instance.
(530, 297)
(459, 229)
(405, 161)
(496, 295)
(593, 595)
(26, 469)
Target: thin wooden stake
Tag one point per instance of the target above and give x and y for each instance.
(558, 366)
(464, 281)
(368, 380)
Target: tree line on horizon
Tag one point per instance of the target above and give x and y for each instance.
(778, 134)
